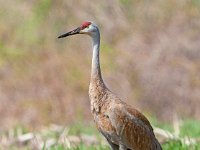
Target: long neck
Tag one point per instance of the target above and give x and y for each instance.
(96, 70)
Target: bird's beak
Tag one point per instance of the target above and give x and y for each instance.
(75, 31)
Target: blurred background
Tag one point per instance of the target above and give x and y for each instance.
(150, 57)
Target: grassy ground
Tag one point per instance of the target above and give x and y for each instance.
(82, 136)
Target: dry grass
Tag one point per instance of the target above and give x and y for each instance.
(84, 136)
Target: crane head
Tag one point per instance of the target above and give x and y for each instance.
(86, 27)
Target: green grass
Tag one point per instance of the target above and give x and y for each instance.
(188, 129)
(81, 147)
(178, 145)
(172, 145)
(83, 128)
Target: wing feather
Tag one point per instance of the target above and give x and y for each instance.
(132, 127)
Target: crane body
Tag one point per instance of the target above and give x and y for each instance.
(123, 126)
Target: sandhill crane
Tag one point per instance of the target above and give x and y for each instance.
(124, 127)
